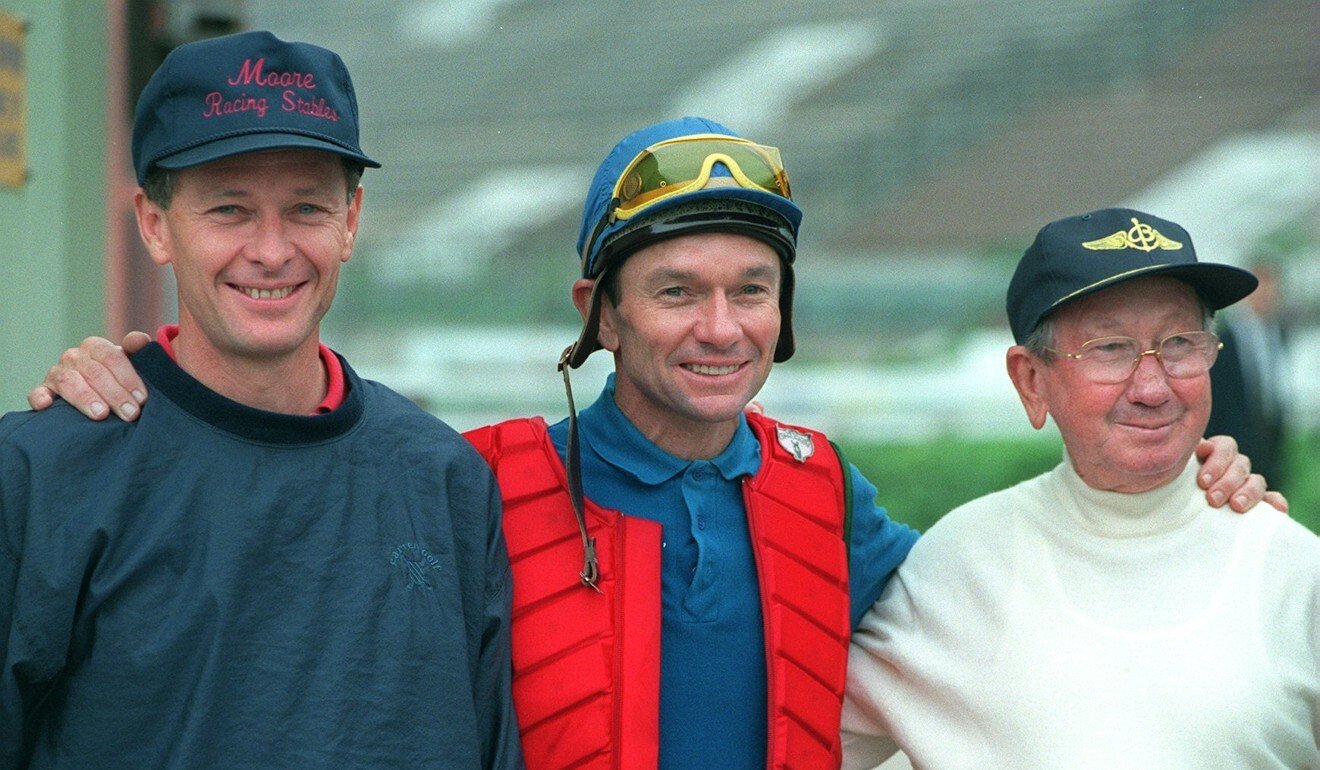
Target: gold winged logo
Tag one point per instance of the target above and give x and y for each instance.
(1140, 236)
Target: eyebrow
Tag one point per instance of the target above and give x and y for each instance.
(662, 275)
(219, 193)
(763, 271)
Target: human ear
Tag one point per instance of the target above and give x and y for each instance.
(581, 294)
(607, 327)
(1027, 372)
(354, 209)
(154, 228)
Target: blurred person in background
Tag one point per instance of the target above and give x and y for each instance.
(1251, 378)
(1101, 614)
(279, 564)
(686, 573)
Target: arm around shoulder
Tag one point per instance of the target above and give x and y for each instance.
(877, 545)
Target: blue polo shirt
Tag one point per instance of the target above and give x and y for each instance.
(712, 661)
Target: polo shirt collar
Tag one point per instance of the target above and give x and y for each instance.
(605, 430)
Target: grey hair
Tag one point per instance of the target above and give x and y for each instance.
(1042, 337)
(160, 182)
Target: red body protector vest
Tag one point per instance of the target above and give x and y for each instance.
(586, 664)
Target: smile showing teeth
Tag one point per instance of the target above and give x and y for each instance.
(714, 370)
(267, 293)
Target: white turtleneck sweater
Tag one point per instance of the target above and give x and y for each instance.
(1052, 625)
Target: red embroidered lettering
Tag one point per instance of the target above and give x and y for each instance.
(254, 72)
(317, 108)
(217, 105)
(248, 72)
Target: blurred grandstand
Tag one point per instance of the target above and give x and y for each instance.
(927, 140)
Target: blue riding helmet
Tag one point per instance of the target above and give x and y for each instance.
(605, 241)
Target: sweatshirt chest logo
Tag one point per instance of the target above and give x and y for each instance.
(416, 563)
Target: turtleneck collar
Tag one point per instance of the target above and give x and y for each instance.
(1124, 515)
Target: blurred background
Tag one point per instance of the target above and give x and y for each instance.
(927, 141)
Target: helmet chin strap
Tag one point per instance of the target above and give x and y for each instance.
(590, 568)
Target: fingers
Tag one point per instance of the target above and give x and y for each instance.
(40, 398)
(135, 341)
(96, 374)
(124, 391)
(1277, 500)
(1250, 493)
(69, 384)
(1235, 485)
(1217, 454)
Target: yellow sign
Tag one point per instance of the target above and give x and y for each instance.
(13, 106)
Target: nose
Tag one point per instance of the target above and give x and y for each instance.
(270, 245)
(718, 324)
(1150, 383)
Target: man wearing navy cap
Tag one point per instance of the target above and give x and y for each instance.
(279, 564)
(1101, 614)
(686, 575)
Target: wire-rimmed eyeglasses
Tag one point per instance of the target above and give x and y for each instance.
(1110, 360)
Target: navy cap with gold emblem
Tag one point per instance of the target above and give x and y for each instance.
(1080, 255)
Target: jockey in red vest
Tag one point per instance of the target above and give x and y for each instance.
(682, 595)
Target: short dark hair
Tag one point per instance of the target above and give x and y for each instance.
(609, 283)
(160, 182)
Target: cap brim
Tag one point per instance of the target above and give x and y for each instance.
(243, 143)
(1218, 285)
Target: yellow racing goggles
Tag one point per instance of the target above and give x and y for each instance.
(678, 166)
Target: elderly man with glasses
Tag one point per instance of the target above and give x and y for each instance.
(1101, 614)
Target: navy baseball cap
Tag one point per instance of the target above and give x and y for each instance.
(242, 93)
(1080, 255)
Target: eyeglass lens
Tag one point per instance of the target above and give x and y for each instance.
(1114, 359)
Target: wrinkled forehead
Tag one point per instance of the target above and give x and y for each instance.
(1130, 307)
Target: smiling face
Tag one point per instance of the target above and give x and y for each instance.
(1130, 436)
(255, 241)
(693, 336)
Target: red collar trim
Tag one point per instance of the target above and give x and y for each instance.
(334, 395)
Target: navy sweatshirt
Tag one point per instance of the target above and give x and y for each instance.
(219, 586)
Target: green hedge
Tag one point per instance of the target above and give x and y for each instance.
(918, 483)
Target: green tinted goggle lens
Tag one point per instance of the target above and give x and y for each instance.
(681, 165)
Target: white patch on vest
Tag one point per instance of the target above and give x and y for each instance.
(796, 443)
